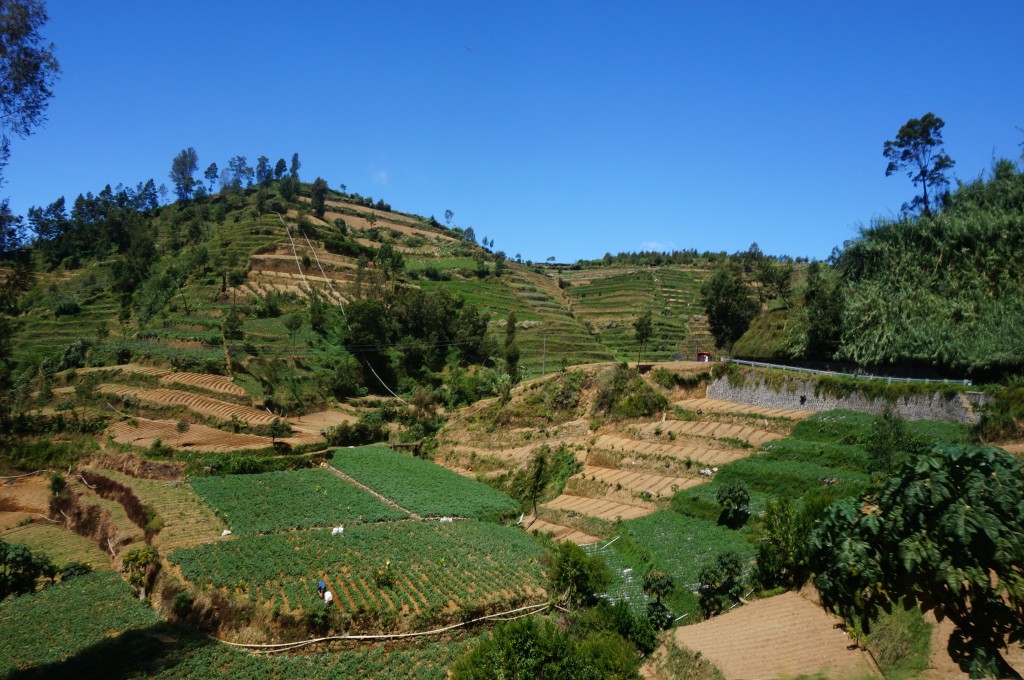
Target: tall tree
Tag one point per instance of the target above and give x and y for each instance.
(263, 171)
(511, 348)
(241, 172)
(28, 70)
(945, 533)
(644, 328)
(318, 194)
(822, 313)
(918, 150)
(280, 168)
(183, 167)
(212, 174)
(728, 305)
(295, 166)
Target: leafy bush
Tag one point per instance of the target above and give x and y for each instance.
(576, 576)
(623, 393)
(721, 583)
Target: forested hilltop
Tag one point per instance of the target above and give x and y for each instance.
(941, 291)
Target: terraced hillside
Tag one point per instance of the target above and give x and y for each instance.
(610, 299)
(626, 469)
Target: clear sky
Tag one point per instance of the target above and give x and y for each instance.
(563, 129)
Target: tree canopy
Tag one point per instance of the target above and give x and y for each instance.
(728, 304)
(918, 150)
(28, 70)
(946, 533)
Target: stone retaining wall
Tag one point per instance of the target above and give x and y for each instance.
(799, 394)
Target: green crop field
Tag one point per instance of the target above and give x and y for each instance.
(65, 619)
(427, 659)
(59, 544)
(437, 568)
(277, 501)
(421, 486)
(787, 478)
(682, 545)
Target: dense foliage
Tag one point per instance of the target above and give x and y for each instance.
(942, 290)
(946, 532)
(538, 648)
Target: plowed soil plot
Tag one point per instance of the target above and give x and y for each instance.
(561, 533)
(656, 485)
(782, 636)
(702, 454)
(197, 437)
(23, 498)
(197, 403)
(710, 428)
(433, 570)
(718, 406)
(597, 507)
(207, 381)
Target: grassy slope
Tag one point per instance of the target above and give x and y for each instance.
(827, 445)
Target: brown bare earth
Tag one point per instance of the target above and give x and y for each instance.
(785, 635)
(321, 420)
(197, 403)
(718, 406)
(23, 498)
(139, 432)
(206, 381)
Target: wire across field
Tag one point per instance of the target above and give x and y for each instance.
(436, 569)
(421, 486)
(278, 501)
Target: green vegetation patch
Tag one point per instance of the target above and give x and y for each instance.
(901, 643)
(425, 660)
(376, 571)
(59, 544)
(421, 486)
(788, 478)
(277, 501)
(67, 618)
(853, 427)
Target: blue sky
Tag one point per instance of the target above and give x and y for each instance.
(555, 128)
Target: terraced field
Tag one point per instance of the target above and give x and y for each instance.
(202, 405)
(59, 544)
(206, 381)
(670, 294)
(436, 569)
(144, 433)
(187, 520)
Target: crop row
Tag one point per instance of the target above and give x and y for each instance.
(66, 619)
(278, 501)
(427, 660)
(382, 571)
(421, 486)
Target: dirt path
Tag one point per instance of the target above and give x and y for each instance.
(367, 489)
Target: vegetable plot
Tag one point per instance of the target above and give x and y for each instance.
(279, 501)
(67, 618)
(379, 573)
(421, 486)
